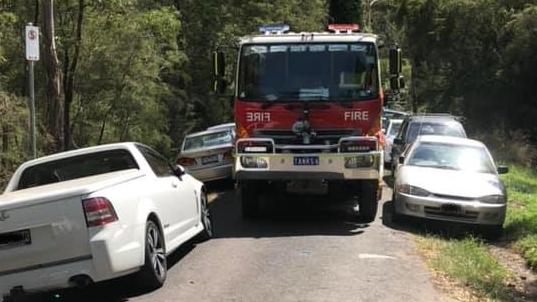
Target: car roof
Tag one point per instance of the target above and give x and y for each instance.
(208, 131)
(222, 126)
(432, 118)
(442, 139)
(395, 112)
(81, 151)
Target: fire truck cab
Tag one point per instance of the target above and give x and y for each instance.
(308, 110)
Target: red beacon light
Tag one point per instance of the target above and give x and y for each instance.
(339, 28)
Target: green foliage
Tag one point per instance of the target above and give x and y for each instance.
(469, 262)
(345, 11)
(521, 220)
(144, 67)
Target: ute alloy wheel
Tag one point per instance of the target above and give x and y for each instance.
(154, 272)
(205, 218)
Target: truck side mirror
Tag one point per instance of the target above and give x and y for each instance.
(219, 71)
(397, 141)
(396, 68)
(401, 159)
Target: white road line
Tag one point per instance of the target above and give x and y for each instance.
(375, 256)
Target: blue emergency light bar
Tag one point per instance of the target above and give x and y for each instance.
(274, 28)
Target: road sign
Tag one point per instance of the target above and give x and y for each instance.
(32, 43)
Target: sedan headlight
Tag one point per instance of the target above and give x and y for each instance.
(413, 190)
(492, 199)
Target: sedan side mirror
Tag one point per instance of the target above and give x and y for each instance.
(397, 141)
(401, 159)
(179, 171)
(503, 169)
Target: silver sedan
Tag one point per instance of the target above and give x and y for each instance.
(453, 179)
(208, 155)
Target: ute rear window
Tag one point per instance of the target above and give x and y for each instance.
(76, 167)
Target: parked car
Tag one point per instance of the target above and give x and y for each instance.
(388, 114)
(393, 128)
(453, 179)
(94, 214)
(208, 155)
(431, 124)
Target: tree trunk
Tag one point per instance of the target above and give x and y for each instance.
(70, 77)
(54, 104)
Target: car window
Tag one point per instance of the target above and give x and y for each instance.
(208, 140)
(434, 128)
(158, 164)
(77, 167)
(402, 133)
(450, 156)
(394, 129)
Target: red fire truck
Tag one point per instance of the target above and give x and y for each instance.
(307, 111)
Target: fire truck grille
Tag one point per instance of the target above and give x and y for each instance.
(324, 140)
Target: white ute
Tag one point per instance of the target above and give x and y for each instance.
(94, 214)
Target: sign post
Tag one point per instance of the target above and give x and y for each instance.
(32, 55)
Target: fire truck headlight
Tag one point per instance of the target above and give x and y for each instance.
(359, 162)
(254, 162)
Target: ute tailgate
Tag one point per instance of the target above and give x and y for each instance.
(43, 234)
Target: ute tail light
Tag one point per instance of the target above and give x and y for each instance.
(255, 146)
(99, 211)
(363, 144)
(186, 161)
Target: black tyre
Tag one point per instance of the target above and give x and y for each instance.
(154, 272)
(368, 201)
(205, 218)
(249, 200)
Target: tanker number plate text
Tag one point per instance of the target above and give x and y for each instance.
(306, 161)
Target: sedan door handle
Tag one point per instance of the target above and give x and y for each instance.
(174, 184)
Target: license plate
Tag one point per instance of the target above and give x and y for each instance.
(209, 159)
(451, 208)
(13, 239)
(306, 160)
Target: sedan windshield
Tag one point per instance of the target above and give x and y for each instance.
(313, 71)
(450, 156)
(208, 140)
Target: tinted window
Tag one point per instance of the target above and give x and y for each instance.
(431, 128)
(77, 167)
(158, 164)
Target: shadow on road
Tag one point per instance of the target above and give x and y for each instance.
(117, 290)
(285, 216)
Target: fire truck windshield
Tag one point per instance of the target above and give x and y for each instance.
(308, 72)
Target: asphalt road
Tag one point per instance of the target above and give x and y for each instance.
(295, 253)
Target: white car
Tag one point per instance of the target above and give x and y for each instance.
(453, 179)
(393, 128)
(94, 214)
